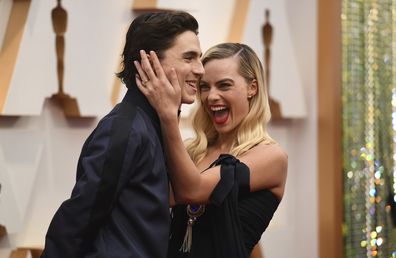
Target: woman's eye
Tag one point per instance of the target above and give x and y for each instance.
(224, 86)
(203, 87)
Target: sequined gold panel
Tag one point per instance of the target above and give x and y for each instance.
(369, 127)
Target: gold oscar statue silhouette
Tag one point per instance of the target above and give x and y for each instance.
(267, 33)
(59, 23)
(3, 231)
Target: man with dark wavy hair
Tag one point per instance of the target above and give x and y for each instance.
(119, 206)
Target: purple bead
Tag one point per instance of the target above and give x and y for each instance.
(195, 208)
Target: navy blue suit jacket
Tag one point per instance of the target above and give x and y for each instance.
(128, 217)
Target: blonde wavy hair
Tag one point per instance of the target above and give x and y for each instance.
(253, 128)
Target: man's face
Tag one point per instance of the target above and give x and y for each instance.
(185, 57)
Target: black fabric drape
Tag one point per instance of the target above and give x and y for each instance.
(233, 221)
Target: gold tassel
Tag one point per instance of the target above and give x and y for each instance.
(193, 212)
(186, 246)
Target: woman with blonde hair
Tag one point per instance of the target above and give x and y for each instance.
(229, 181)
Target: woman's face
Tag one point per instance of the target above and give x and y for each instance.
(225, 93)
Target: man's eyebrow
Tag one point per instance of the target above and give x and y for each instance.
(192, 54)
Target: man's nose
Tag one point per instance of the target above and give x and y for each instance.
(198, 68)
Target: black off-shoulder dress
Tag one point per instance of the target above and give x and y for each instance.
(232, 223)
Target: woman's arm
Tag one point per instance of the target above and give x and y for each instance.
(267, 164)
(189, 185)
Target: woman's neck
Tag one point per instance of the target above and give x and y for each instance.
(224, 142)
(222, 145)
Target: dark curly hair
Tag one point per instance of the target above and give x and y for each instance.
(152, 31)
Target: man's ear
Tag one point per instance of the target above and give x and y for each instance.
(252, 88)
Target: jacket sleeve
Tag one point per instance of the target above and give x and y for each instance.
(69, 228)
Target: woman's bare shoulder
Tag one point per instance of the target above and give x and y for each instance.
(268, 152)
(268, 167)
